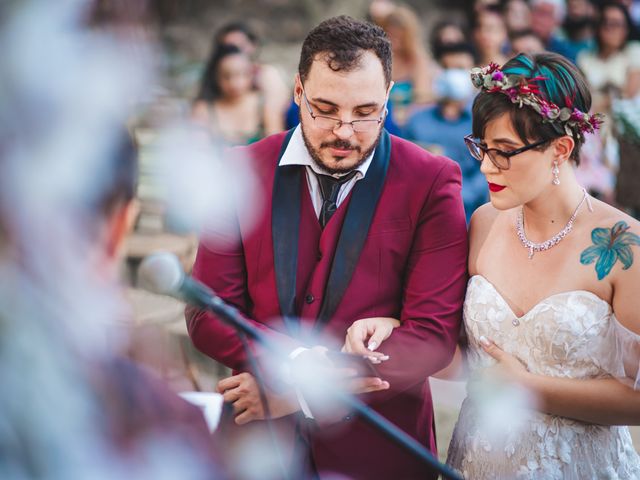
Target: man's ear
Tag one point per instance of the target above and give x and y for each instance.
(391, 84)
(118, 225)
(297, 90)
(563, 147)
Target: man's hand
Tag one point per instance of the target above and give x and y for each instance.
(242, 392)
(364, 336)
(313, 370)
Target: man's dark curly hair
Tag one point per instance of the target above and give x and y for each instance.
(342, 41)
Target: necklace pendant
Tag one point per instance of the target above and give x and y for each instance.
(530, 253)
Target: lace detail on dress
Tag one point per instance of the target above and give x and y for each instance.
(571, 335)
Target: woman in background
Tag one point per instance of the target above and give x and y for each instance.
(489, 35)
(613, 72)
(226, 104)
(411, 63)
(613, 67)
(267, 78)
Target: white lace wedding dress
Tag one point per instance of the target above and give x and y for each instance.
(571, 335)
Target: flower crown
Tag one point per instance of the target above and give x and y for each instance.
(524, 91)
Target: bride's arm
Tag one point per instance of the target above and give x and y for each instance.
(606, 401)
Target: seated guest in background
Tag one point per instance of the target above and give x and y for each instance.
(445, 33)
(489, 35)
(411, 63)
(525, 41)
(517, 15)
(612, 67)
(441, 128)
(547, 17)
(266, 78)
(226, 103)
(579, 26)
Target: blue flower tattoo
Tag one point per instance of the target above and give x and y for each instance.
(610, 245)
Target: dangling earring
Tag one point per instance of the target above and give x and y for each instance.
(556, 173)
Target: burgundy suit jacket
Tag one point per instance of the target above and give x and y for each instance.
(396, 247)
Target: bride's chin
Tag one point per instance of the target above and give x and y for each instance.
(502, 203)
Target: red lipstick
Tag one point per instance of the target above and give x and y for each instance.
(494, 187)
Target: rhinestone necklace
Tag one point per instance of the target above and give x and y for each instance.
(553, 241)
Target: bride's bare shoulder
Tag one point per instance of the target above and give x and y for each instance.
(482, 220)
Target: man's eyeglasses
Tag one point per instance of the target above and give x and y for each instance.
(499, 158)
(330, 123)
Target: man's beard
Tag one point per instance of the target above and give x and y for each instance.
(341, 144)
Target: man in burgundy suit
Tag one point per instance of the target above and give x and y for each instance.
(356, 224)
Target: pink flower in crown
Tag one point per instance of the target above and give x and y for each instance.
(577, 116)
(512, 93)
(545, 110)
(497, 76)
(595, 121)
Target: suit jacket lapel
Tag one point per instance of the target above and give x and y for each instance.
(285, 226)
(362, 206)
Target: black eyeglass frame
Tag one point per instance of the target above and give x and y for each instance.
(353, 123)
(471, 144)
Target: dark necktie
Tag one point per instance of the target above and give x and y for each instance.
(330, 187)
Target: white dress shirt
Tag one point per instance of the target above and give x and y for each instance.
(296, 153)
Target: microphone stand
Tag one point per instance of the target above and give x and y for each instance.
(231, 316)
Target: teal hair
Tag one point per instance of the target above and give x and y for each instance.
(559, 79)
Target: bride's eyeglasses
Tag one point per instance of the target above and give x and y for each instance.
(500, 158)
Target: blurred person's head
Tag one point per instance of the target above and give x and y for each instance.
(344, 73)
(446, 33)
(489, 32)
(526, 41)
(517, 15)
(456, 55)
(228, 74)
(452, 85)
(112, 210)
(580, 19)
(480, 5)
(546, 17)
(403, 30)
(238, 34)
(379, 9)
(614, 28)
(500, 123)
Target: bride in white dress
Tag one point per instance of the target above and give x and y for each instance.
(553, 301)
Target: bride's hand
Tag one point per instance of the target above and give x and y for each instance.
(508, 366)
(373, 331)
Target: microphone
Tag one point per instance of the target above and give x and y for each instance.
(163, 274)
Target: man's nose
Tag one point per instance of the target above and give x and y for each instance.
(344, 131)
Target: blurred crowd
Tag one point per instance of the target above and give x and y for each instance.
(242, 99)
